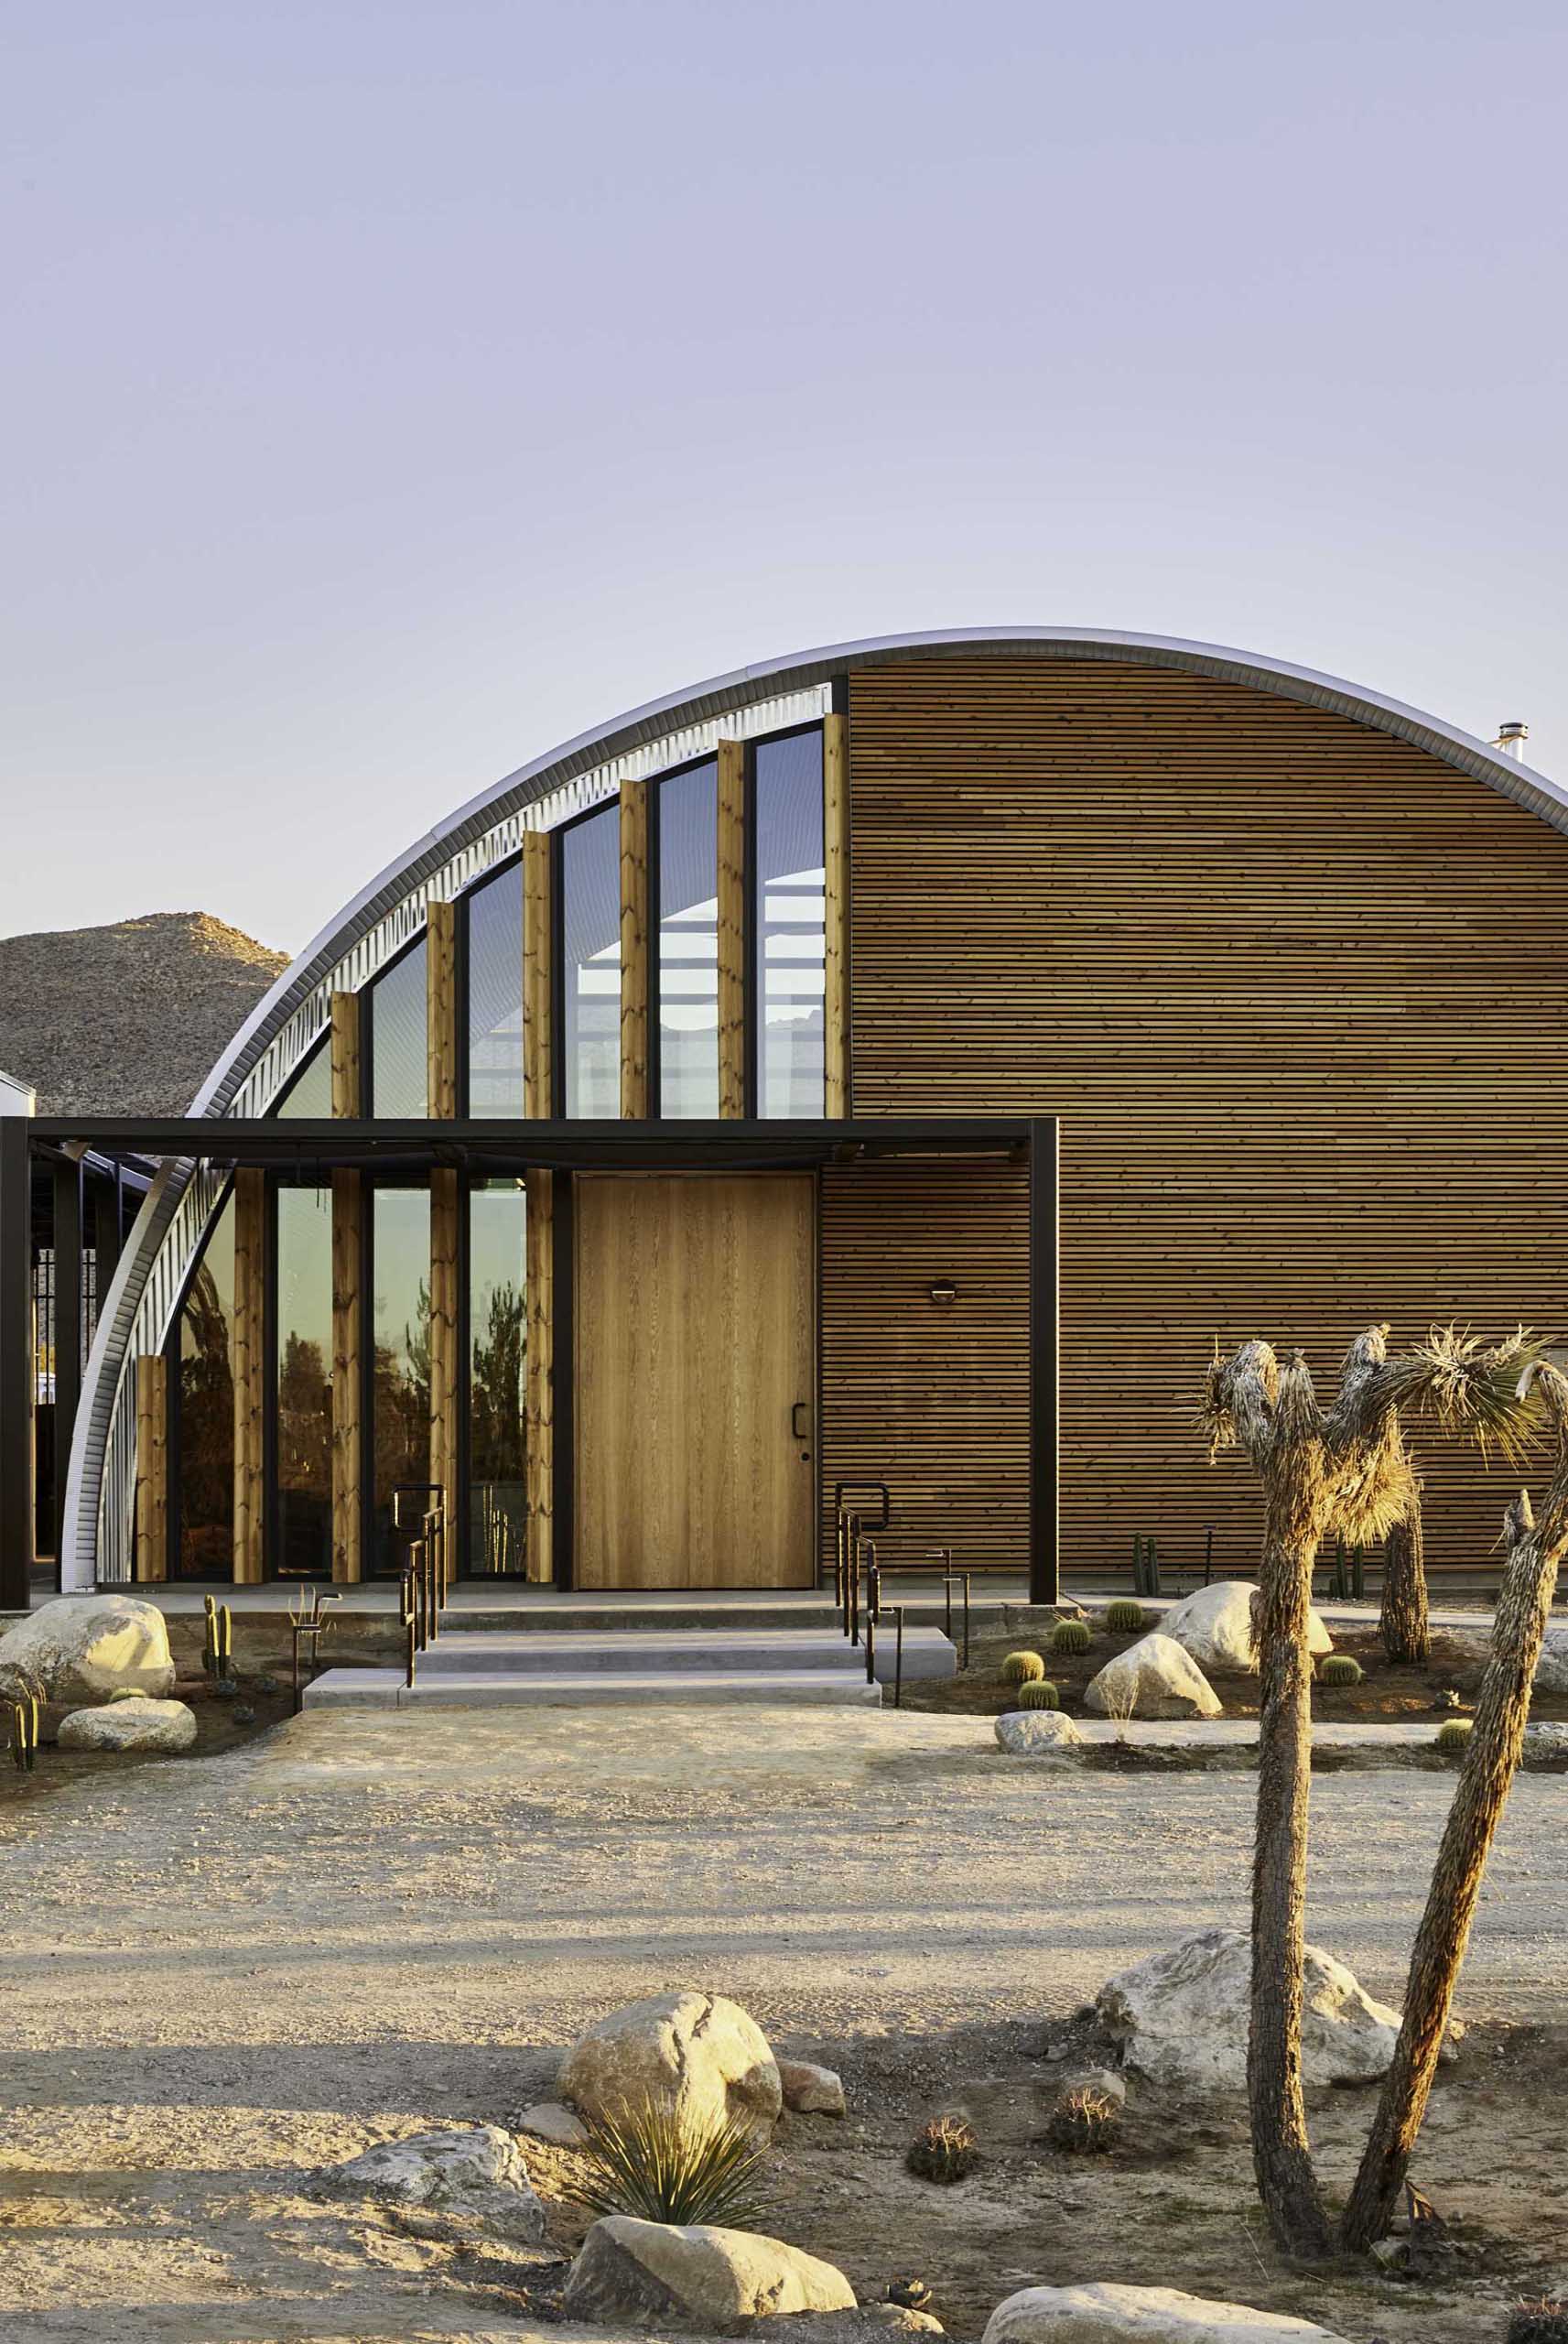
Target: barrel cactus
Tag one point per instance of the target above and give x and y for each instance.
(1454, 1736)
(1544, 2321)
(1022, 1669)
(1339, 1670)
(1124, 1617)
(1071, 1636)
(1084, 2122)
(944, 2150)
(1039, 1695)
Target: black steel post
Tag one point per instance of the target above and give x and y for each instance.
(1044, 1527)
(16, 1365)
(898, 1660)
(67, 1336)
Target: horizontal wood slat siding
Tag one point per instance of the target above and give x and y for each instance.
(1300, 994)
(931, 1398)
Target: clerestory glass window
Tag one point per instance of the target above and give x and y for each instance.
(689, 942)
(790, 927)
(398, 1045)
(496, 995)
(590, 927)
(311, 1092)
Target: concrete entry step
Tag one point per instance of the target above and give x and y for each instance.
(640, 1652)
(696, 1688)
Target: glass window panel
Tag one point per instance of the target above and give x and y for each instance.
(311, 1092)
(399, 1068)
(790, 927)
(498, 1338)
(591, 922)
(689, 942)
(302, 1536)
(496, 995)
(400, 1396)
(205, 1465)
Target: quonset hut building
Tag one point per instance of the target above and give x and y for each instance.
(895, 1064)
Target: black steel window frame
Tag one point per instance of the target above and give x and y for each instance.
(656, 813)
(752, 922)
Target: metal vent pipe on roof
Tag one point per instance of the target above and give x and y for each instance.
(1512, 738)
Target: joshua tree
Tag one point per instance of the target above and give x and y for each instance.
(1403, 1623)
(1529, 1574)
(1341, 1469)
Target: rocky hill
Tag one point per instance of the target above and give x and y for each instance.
(126, 1019)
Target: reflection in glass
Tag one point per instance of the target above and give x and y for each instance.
(400, 1392)
(496, 995)
(689, 942)
(205, 1466)
(302, 1537)
(311, 1092)
(591, 921)
(399, 1073)
(497, 1348)
(791, 942)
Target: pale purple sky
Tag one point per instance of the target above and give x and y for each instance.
(392, 391)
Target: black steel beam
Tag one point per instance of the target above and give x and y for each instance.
(67, 1334)
(1044, 1294)
(16, 1365)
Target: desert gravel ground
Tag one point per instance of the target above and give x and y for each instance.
(217, 1971)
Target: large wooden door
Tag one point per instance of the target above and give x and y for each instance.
(695, 1380)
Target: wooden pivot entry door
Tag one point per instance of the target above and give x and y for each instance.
(694, 1374)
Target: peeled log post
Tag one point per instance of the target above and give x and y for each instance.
(1403, 1623)
(1486, 1777)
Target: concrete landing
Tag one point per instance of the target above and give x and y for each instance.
(385, 1689)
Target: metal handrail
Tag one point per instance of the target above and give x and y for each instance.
(426, 1580)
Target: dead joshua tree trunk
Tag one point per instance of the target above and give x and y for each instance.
(1345, 1469)
(1486, 1777)
(1403, 1623)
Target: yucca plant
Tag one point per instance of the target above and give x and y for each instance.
(1124, 1617)
(1340, 1668)
(1071, 1635)
(1022, 1669)
(663, 2164)
(1039, 1695)
(1456, 1734)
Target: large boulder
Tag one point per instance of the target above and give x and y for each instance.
(85, 1647)
(133, 1724)
(1214, 1626)
(1551, 1670)
(475, 2173)
(695, 2272)
(1152, 1679)
(699, 2053)
(1104, 2313)
(1039, 1733)
(1181, 2017)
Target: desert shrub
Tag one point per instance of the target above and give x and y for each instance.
(662, 2164)
(1454, 1736)
(1124, 1617)
(1084, 2122)
(1041, 1694)
(1542, 2322)
(1071, 1635)
(944, 2150)
(1022, 1669)
(1339, 1669)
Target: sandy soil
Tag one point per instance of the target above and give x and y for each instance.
(221, 1971)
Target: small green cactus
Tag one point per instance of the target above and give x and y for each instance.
(944, 2150)
(1339, 1669)
(1070, 1636)
(1456, 1734)
(1084, 2122)
(1124, 1617)
(1041, 1694)
(1022, 1669)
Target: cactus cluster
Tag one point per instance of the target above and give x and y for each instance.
(1339, 1669)
(1124, 1617)
(1084, 2122)
(1455, 1733)
(1071, 1636)
(1542, 2322)
(1023, 1669)
(1040, 1694)
(944, 2150)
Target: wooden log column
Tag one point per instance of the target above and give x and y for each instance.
(443, 1050)
(636, 983)
(538, 997)
(250, 1373)
(347, 1306)
(731, 928)
(835, 857)
(152, 1466)
(538, 1385)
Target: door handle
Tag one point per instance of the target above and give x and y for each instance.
(797, 1431)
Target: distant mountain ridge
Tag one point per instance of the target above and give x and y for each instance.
(127, 1019)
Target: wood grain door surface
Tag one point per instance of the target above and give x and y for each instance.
(695, 1326)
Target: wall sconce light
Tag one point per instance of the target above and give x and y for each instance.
(943, 1290)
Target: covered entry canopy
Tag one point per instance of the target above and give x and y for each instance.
(310, 1149)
